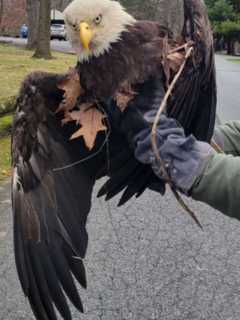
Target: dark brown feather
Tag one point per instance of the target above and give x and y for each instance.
(140, 54)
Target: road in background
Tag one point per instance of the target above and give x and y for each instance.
(147, 260)
(228, 81)
(56, 45)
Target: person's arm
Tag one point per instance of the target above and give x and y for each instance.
(228, 137)
(195, 168)
(219, 184)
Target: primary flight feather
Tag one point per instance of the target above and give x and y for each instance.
(51, 200)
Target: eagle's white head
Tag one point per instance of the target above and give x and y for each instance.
(93, 25)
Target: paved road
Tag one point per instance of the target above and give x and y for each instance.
(147, 260)
(63, 46)
(228, 80)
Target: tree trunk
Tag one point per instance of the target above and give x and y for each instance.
(230, 47)
(1, 12)
(43, 40)
(33, 18)
(169, 13)
(60, 4)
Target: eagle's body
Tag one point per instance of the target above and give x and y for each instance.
(138, 55)
(51, 206)
(131, 60)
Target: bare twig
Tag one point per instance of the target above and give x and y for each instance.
(161, 109)
(184, 46)
(216, 147)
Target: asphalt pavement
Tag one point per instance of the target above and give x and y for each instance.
(56, 45)
(228, 80)
(148, 260)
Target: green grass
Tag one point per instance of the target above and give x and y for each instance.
(15, 64)
(235, 60)
(5, 158)
(5, 124)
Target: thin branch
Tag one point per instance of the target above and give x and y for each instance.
(216, 147)
(161, 109)
(184, 46)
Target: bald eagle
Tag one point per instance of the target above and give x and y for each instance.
(50, 206)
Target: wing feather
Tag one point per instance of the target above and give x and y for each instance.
(50, 207)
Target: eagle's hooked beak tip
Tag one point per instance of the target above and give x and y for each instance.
(86, 34)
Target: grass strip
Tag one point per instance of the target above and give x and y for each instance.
(5, 158)
(234, 60)
(15, 64)
(5, 124)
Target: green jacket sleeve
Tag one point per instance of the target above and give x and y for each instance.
(228, 136)
(219, 185)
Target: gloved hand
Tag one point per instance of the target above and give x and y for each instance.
(185, 157)
(138, 115)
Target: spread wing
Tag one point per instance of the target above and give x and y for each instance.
(51, 204)
(194, 100)
(50, 207)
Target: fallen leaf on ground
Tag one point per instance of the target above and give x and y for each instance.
(6, 173)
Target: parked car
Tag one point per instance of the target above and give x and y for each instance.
(58, 31)
(24, 31)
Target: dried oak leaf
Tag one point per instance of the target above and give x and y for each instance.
(124, 96)
(91, 121)
(72, 90)
(175, 60)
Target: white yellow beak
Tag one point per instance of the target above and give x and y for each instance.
(86, 34)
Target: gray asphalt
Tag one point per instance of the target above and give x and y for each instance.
(148, 260)
(228, 79)
(56, 45)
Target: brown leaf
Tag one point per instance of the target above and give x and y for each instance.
(91, 120)
(124, 95)
(71, 86)
(175, 60)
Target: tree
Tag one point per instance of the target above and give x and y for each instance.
(231, 31)
(168, 13)
(225, 18)
(235, 4)
(60, 4)
(221, 11)
(1, 11)
(43, 39)
(33, 18)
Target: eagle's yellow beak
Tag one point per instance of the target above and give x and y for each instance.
(86, 34)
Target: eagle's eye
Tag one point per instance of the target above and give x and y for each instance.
(74, 26)
(98, 19)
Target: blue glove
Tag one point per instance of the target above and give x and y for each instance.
(185, 157)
